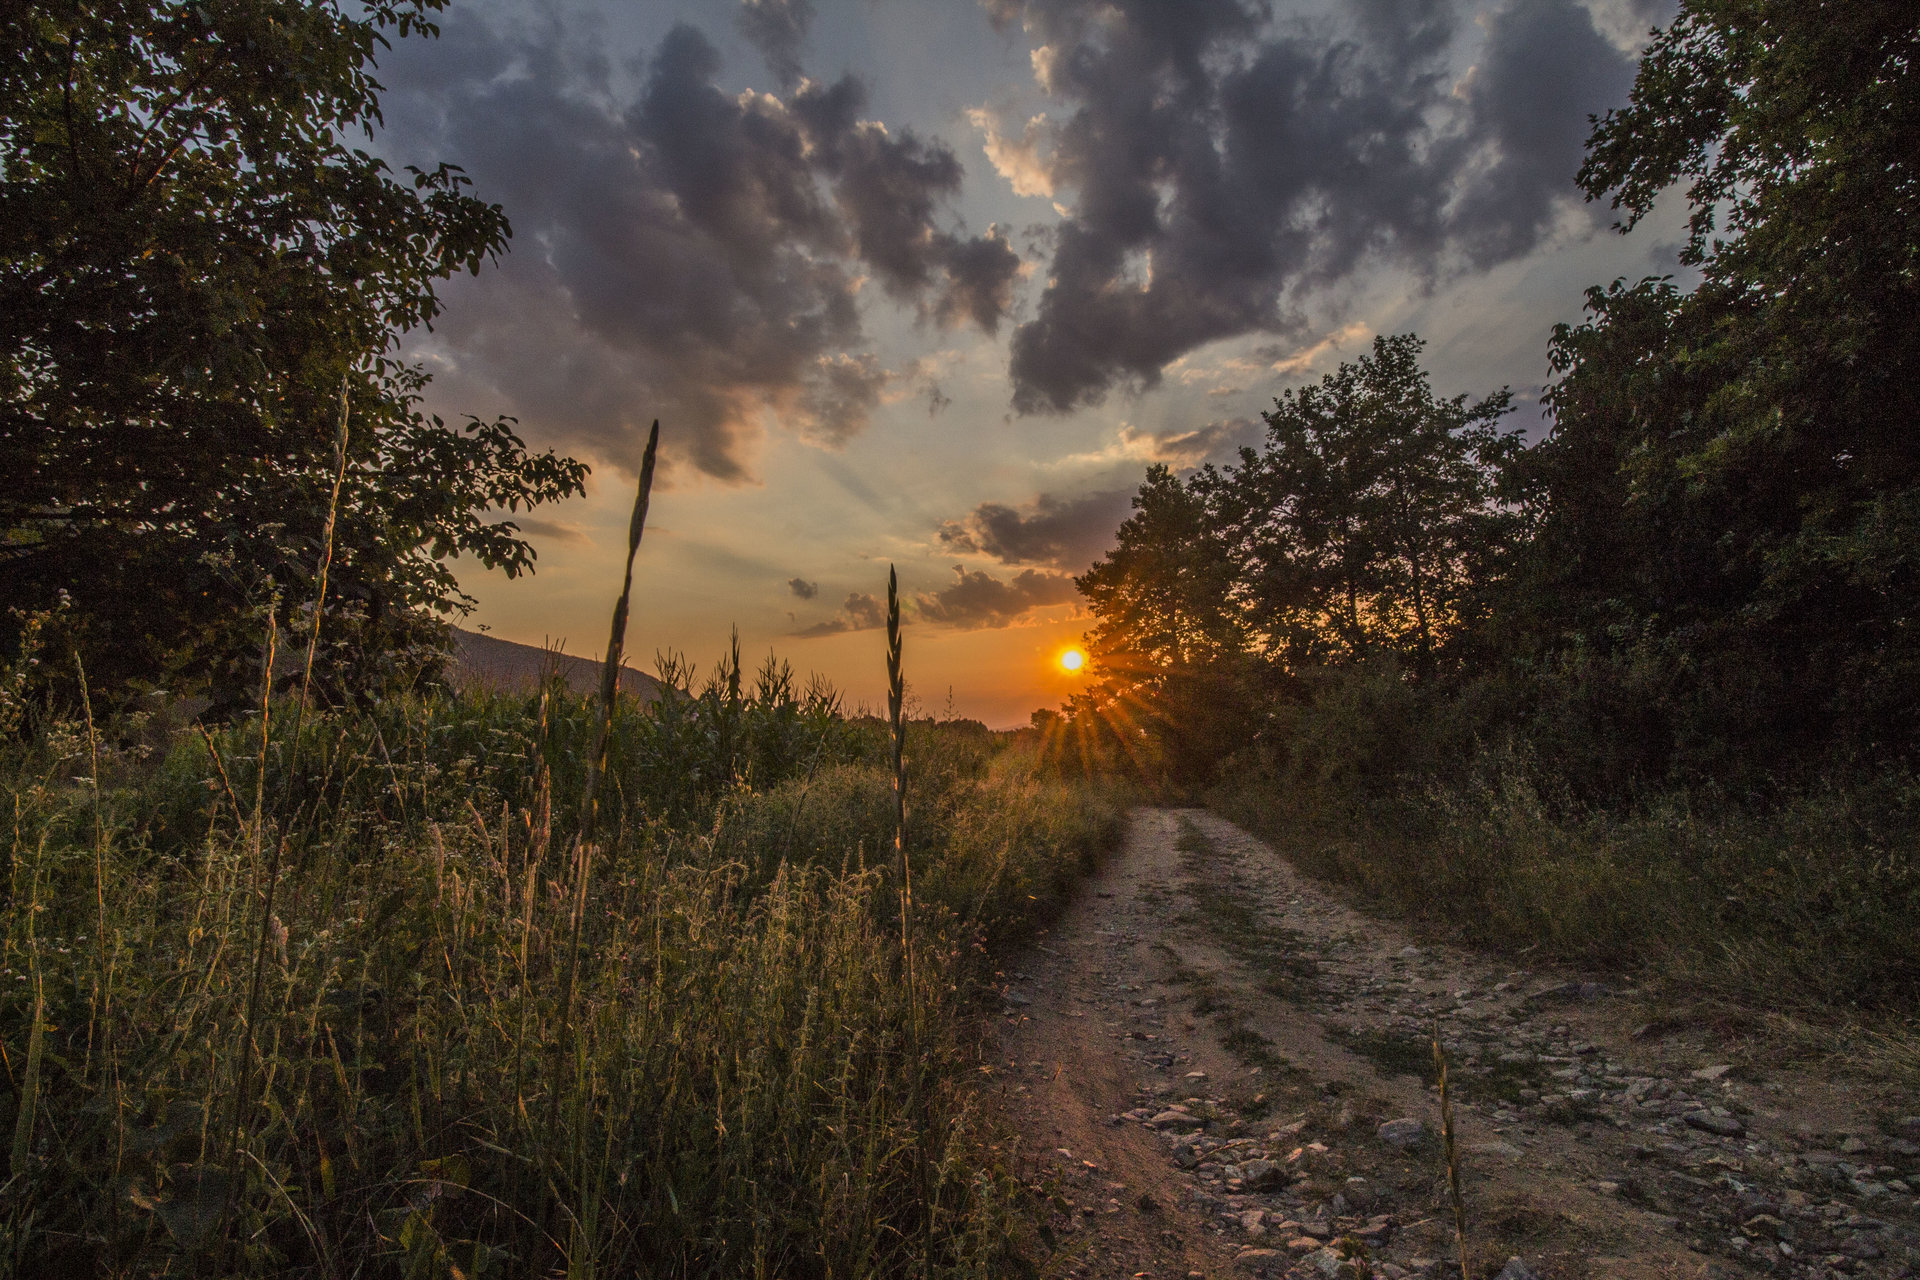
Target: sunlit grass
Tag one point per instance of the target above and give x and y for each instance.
(735, 1092)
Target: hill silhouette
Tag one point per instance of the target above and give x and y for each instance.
(505, 664)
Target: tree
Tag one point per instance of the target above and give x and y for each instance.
(1364, 526)
(1733, 479)
(196, 272)
(1168, 645)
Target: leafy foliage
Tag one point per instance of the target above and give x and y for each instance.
(1363, 526)
(1167, 642)
(1733, 485)
(197, 268)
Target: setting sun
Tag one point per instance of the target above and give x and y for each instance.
(1072, 660)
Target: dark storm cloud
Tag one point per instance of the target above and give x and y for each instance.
(680, 252)
(1064, 533)
(1544, 70)
(802, 588)
(860, 612)
(1225, 171)
(887, 189)
(778, 29)
(978, 600)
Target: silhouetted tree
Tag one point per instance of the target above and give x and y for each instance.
(1363, 525)
(193, 262)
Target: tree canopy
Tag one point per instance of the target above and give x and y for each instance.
(197, 271)
(1357, 531)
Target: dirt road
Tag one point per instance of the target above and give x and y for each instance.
(1219, 1069)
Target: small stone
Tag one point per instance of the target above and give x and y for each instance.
(1175, 1121)
(1410, 953)
(1712, 1073)
(1263, 1175)
(1324, 1264)
(1195, 1075)
(1017, 1000)
(1706, 1121)
(1255, 1259)
(1403, 1133)
(1853, 1147)
(1503, 1150)
(1516, 1270)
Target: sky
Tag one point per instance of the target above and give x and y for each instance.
(931, 283)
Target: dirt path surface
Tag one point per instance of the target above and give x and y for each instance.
(1220, 1070)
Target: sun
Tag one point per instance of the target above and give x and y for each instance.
(1072, 660)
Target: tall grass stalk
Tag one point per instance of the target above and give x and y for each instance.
(617, 639)
(897, 741)
(326, 560)
(1450, 1156)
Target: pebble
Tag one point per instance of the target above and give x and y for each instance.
(1408, 1131)
(1708, 1122)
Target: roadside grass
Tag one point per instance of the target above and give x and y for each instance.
(359, 1003)
(1804, 906)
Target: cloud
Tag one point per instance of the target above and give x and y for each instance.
(1224, 173)
(778, 29)
(1177, 448)
(841, 396)
(978, 600)
(1064, 533)
(555, 530)
(802, 588)
(859, 612)
(1289, 363)
(679, 251)
(1015, 159)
